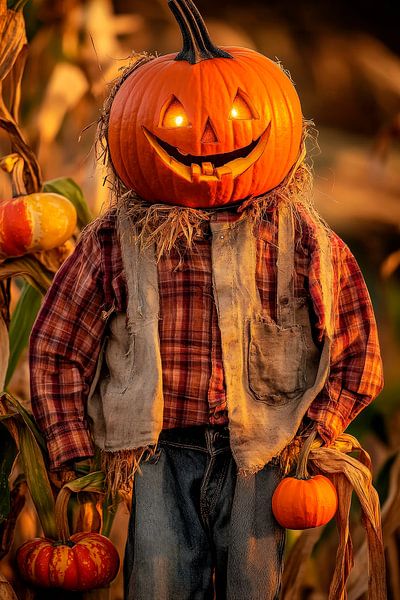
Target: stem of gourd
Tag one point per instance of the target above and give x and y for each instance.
(14, 165)
(302, 470)
(61, 513)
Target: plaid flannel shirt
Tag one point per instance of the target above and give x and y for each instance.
(69, 329)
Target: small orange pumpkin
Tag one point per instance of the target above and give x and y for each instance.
(207, 126)
(85, 561)
(302, 501)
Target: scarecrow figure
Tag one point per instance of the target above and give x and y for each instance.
(205, 321)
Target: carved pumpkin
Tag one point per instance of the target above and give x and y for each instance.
(85, 561)
(205, 127)
(302, 501)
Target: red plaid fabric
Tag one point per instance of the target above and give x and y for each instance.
(66, 338)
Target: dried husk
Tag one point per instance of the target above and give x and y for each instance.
(30, 268)
(348, 474)
(12, 62)
(296, 563)
(4, 351)
(6, 591)
(13, 38)
(7, 528)
(358, 585)
(91, 483)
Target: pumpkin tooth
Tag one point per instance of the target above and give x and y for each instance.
(207, 168)
(196, 172)
(224, 171)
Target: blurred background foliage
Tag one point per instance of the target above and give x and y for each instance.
(345, 60)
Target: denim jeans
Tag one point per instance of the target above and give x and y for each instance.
(199, 532)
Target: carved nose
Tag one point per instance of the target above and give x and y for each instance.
(209, 135)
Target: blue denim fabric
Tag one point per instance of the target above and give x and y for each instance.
(197, 532)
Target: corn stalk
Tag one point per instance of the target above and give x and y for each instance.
(13, 50)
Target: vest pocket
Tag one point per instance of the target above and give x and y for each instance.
(276, 361)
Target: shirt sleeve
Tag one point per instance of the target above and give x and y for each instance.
(64, 347)
(355, 377)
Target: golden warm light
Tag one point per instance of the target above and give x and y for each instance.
(240, 109)
(175, 115)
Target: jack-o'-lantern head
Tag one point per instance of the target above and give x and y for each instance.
(206, 127)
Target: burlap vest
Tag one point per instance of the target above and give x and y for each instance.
(273, 370)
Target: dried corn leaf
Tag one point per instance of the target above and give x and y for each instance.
(358, 584)
(33, 181)
(4, 351)
(13, 38)
(8, 453)
(7, 528)
(88, 516)
(93, 482)
(12, 84)
(296, 563)
(30, 268)
(350, 474)
(6, 591)
(9, 417)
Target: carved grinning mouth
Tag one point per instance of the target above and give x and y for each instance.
(211, 167)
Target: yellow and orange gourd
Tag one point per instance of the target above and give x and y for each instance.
(35, 222)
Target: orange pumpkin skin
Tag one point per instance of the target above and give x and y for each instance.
(304, 503)
(206, 91)
(87, 561)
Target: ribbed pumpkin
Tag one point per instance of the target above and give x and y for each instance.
(302, 501)
(85, 561)
(35, 222)
(205, 127)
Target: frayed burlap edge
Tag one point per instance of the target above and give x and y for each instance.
(121, 466)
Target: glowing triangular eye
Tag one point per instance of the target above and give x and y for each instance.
(240, 109)
(174, 115)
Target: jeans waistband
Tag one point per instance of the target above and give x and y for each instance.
(200, 437)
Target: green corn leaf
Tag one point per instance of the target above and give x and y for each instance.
(8, 453)
(21, 325)
(110, 507)
(27, 419)
(38, 481)
(4, 351)
(71, 190)
(92, 482)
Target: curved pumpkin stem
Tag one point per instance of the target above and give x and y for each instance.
(302, 470)
(197, 44)
(61, 514)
